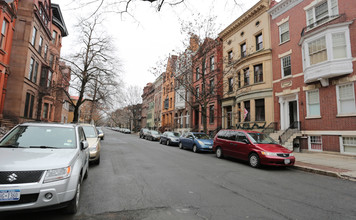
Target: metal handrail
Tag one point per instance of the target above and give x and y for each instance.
(271, 128)
(293, 128)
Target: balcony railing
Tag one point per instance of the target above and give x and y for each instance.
(251, 125)
(271, 128)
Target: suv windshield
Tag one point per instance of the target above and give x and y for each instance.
(89, 132)
(201, 136)
(40, 137)
(260, 138)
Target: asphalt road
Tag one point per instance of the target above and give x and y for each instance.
(140, 179)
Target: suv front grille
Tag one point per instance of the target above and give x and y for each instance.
(16, 177)
(28, 198)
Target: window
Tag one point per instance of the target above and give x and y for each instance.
(211, 114)
(322, 12)
(313, 103)
(197, 73)
(238, 80)
(230, 81)
(317, 51)
(246, 77)
(34, 32)
(28, 112)
(349, 145)
(212, 63)
(346, 98)
(5, 24)
(197, 92)
(284, 32)
(45, 52)
(229, 117)
(243, 50)
(35, 73)
(258, 73)
(260, 110)
(315, 143)
(247, 111)
(339, 45)
(45, 110)
(54, 37)
(212, 86)
(30, 73)
(40, 45)
(203, 68)
(286, 66)
(259, 42)
(239, 112)
(49, 78)
(51, 59)
(229, 56)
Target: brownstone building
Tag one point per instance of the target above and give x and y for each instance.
(34, 62)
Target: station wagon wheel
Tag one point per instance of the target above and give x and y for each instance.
(195, 149)
(180, 145)
(254, 160)
(219, 153)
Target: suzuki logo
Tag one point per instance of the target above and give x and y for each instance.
(11, 178)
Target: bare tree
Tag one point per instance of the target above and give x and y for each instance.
(94, 67)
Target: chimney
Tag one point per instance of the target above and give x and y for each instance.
(194, 42)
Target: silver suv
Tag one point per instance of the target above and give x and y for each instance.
(42, 165)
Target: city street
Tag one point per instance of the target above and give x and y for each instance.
(140, 179)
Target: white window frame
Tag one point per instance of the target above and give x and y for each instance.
(342, 145)
(310, 142)
(281, 33)
(328, 33)
(282, 65)
(310, 12)
(351, 98)
(308, 102)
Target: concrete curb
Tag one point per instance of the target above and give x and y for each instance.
(324, 172)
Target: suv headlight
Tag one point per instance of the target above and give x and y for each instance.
(268, 153)
(57, 174)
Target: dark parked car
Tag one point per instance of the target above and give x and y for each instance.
(170, 138)
(196, 141)
(100, 133)
(153, 135)
(143, 132)
(255, 147)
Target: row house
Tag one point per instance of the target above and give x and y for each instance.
(8, 13)
(168, 94)
(157, 101)
(148, 106)
(247, 101)
(314, 75)
(207, 86)
(35, 62)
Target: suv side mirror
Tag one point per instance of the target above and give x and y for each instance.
(84, 145)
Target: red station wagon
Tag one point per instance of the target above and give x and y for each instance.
(255, 147)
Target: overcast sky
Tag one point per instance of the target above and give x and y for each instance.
(149, 36)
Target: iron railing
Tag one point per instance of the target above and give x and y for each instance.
(294, 127)
(271, 128)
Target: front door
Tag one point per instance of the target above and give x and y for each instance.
(293, 109)
(289, 111)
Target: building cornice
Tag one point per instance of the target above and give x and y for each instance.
(244, 19)
(282, 7)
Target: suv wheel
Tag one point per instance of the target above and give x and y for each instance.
(73, 205)
(254, 160)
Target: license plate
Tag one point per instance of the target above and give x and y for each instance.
(287, 161)
(10, 195)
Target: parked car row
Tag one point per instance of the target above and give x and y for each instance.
(43, 165)
(122, 130)
(254, 147)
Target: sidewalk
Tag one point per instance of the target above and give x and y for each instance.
(331, 164)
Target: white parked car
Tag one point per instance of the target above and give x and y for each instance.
(43, 165)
